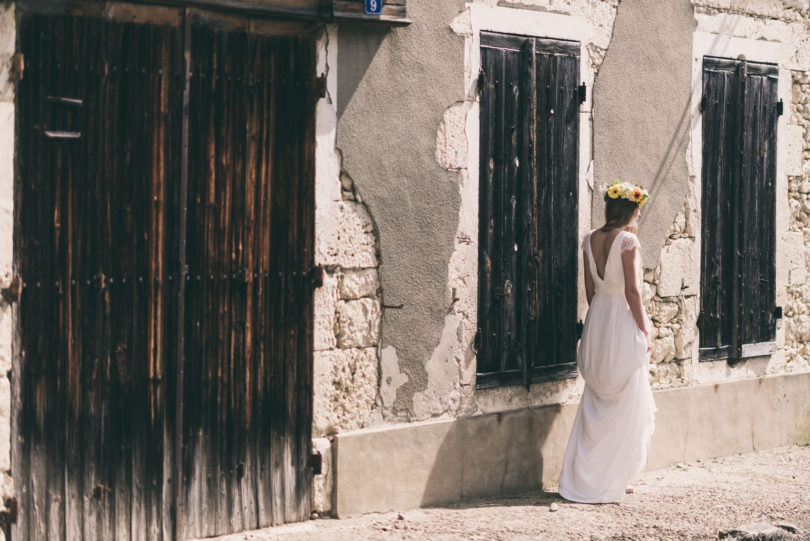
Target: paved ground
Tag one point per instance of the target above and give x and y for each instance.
(689, 501)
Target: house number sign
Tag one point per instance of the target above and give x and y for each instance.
(373, 7)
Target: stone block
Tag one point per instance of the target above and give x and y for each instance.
(348, 238)
(357, 323)
(323, 483)
(345, 389)
(325, 301)
(676, 268)
(5, 424)
(795, 254)
(451, 139)
(665, 311)
(6, 337)
(683, 344)
(794, 142)
(360, 283)
(663, 349)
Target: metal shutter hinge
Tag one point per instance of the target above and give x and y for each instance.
(13, 292)
(582, 92)
(320, 86)
(316, 463)
(780, 108)
(11, 511)
(17, 67)
(777, 312)
(702, 104)
(481, 81)
(580, 327)
(477, 341)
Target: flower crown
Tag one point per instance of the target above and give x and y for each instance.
(632, 192)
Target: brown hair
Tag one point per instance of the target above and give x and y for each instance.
(618, 213)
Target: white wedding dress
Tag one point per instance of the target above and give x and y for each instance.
(616, 416)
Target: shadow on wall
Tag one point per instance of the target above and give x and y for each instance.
(499, 453)
(357, 49)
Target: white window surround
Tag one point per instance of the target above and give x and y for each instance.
(724, 44)
(541, 25)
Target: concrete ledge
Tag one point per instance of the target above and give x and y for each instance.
(422, 464)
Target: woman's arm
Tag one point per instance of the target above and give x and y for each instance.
(588, 278)
(631, 292)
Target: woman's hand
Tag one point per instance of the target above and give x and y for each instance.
(647, 338)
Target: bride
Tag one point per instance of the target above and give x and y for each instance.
(615, 419)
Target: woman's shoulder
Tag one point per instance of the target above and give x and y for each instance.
(629, 241)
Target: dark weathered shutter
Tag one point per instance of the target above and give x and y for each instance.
(738, 206)
(502, 101)
(557, 224)
(758, 205)
(527, 210)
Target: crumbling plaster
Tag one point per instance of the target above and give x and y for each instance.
(394, 86)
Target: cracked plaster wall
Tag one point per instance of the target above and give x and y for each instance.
(414, 169)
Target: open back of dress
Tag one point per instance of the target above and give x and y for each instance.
(615, 420)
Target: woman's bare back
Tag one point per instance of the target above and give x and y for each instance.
(601, 243)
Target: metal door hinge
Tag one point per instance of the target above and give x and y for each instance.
(580, 328)
(777, 312)
(582, 92)
(702, 104)
(17, 67)
(316, 463)
(482, 79)
(477, 341)
(316, 276)
(13, 292)
(780, 108)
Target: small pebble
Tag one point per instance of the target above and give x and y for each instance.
(554, 507)
(400, 517)
(629, 490)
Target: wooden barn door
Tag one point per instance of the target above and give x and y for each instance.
(248, 381)
(164, 238)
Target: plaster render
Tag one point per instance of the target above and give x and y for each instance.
(641, 112)
(394, 87)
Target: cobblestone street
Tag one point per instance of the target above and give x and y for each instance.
(689, 501)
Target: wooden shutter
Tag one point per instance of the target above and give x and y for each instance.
(554, 355)
(527, 210)
(739, 231)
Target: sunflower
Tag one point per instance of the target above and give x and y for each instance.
(636, 195)
(614, 191)
(643, 201)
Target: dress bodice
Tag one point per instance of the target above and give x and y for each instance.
(613, 281)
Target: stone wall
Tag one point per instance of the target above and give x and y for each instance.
(797, 308)
(7, 75)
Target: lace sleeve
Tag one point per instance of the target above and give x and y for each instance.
(630, 242)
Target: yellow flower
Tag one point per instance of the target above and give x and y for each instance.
(643, 201)
(614, 191)
(636, 195)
